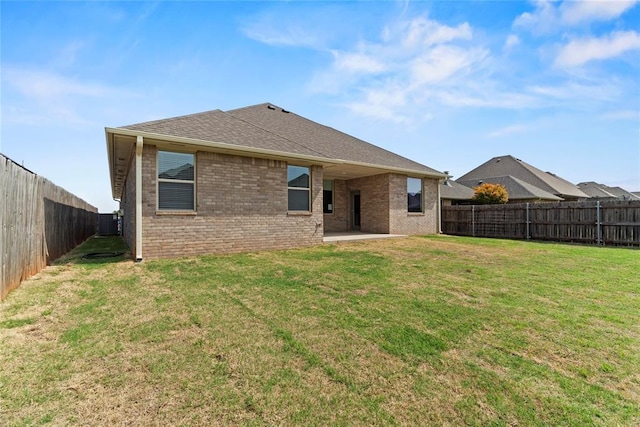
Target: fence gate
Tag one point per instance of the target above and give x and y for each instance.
(108, 225)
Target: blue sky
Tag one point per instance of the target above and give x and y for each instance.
(448, 84)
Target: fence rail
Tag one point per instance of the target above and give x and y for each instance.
(593, 222)
(40, 222)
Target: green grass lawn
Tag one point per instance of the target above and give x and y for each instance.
(417, 331)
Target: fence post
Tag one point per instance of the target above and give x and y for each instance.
(473, 220)
(528, 222)
(598, 224)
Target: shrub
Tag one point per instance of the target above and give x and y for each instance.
(490, 194)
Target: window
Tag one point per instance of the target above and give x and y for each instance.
(298, 184)
(414, 194)
(327, 196)
(176, 183)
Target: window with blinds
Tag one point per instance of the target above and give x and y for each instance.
(299, 188)
(176, 181)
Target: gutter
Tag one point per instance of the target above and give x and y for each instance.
(266, 152)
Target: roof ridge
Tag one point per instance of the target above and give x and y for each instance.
(524, 185)
(356, 138)
(330, 128)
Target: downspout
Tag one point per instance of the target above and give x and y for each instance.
(439, 210)
(139, 144)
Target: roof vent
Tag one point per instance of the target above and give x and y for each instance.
(285, 111)
(271, 107)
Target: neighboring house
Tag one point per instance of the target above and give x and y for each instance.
(518, 190)
(452, 193)
(257, 178)
(604, 192)
(504, 166)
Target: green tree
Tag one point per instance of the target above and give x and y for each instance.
(490, 194)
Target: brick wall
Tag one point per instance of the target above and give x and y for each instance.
(383, 206)
(403, 222)
(338, 221)
(374, 202)
(241, 206)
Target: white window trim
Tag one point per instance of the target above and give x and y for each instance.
(179, 181)
(308, 189)
(421, 212)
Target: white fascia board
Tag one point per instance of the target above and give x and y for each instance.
(270, 153)
(404, 171)
(224, 146)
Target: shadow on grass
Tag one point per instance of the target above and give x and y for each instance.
(102, 245)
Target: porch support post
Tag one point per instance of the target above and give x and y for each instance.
(139, 143)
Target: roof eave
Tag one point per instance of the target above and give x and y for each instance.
(413, 172)
(221, 146)
(246, 151)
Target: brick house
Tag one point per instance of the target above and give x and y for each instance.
(257, 178)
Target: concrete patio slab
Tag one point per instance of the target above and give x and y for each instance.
(356, 235)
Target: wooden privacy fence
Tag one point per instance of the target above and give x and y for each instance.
(40, 222)
(591, 222)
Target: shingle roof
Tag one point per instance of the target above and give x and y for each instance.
(510, 166)
(323, 139)
(218, 126)
(517, 189)
(266, 126)
(593, 189)
(602, 191)
(621, 193)
(454, 191)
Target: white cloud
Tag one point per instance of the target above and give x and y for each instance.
(551, 16)
(574, 12)
(508, 131)
(289, 36)
(37, 97)
(511, 42)
(543, 19)
(43, 85)
(579, 92)
(425, 32)
(443, 62)
(385, 102)
(391, 78)
(472, 96)
(357, 63)
(622, 115)
(580, 51)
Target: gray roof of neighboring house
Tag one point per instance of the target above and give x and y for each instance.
(595, 190)
(602, 191)
(454, 191)
(621, 193)
(517, 189)
(323, 139)
(268, 127)
(510, 166)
